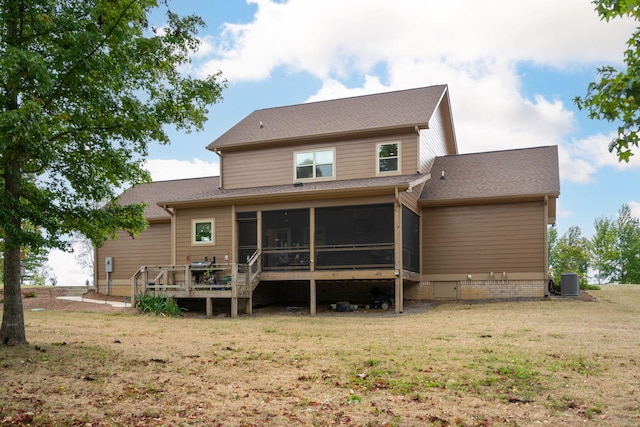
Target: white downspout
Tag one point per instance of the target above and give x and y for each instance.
(221, 183)
(173, 233)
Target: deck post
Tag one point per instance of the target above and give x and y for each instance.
(312, 297)
(399, 280)
(234, 307)
(209, 307)
(399, 295)
(187, 279)
(234, 290)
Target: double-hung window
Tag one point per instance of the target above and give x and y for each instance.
(315, 164)
(203, 231)
(388, 158)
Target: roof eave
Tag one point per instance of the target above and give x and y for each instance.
(388, 189)
(357, 133)
(485, 200)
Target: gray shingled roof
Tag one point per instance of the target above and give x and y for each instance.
(153, 192)
(214, 194)
(509, 173)
(368, 113)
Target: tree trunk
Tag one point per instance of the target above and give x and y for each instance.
(12, 331)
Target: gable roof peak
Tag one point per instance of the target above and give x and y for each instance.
(357, 115)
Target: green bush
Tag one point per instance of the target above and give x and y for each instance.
(157, 305)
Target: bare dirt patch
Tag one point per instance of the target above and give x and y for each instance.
(46, 298)
(560, 362)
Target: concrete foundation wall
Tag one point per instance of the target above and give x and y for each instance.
(482, 289)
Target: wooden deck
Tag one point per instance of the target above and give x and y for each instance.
(238, 281)
(215, 281)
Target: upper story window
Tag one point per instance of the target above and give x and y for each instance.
(203, 231)
(315, 164)
(388, 158)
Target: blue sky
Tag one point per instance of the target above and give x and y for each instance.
(513, 69)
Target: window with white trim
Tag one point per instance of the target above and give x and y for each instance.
(203, 231)
(388, 158)
(315, 164)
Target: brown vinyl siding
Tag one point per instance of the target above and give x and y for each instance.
(484, 238)
(433, 141)
(410, 199)
(151, 247)
(354, 159)
(257, 168)
(409, 152)
(222, 234)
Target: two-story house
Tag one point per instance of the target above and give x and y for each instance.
(344, 200)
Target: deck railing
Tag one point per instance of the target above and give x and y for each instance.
(253, 270)
(187, 281)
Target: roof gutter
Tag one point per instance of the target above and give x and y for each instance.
(483, 200)
(289, 196)
(166, 209)
(296, 139)
(417, 182)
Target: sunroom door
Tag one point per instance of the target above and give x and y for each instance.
(247, 236)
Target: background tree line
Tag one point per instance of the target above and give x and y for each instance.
(612, 255)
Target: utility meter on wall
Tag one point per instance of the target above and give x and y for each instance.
(108, 264)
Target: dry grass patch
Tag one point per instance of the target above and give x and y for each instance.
(556, 362)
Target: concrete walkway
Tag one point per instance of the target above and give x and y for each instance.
(97, 301)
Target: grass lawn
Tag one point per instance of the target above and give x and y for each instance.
(556, 362)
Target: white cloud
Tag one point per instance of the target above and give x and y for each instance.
(581, 159)
(163, 170)
(474, 47)
(574, 169)
(333, 37)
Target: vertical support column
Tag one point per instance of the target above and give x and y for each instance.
(249, 304)
(399, 291)
(174, 259)
(209, 302)
(234, 237)
(545, 249)
(233, 259)
(398, 301)
(312, 239)
(234, 290)
(187, 279)
(312, 255)
(234, 307)
(312, 297)
(259, 229)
